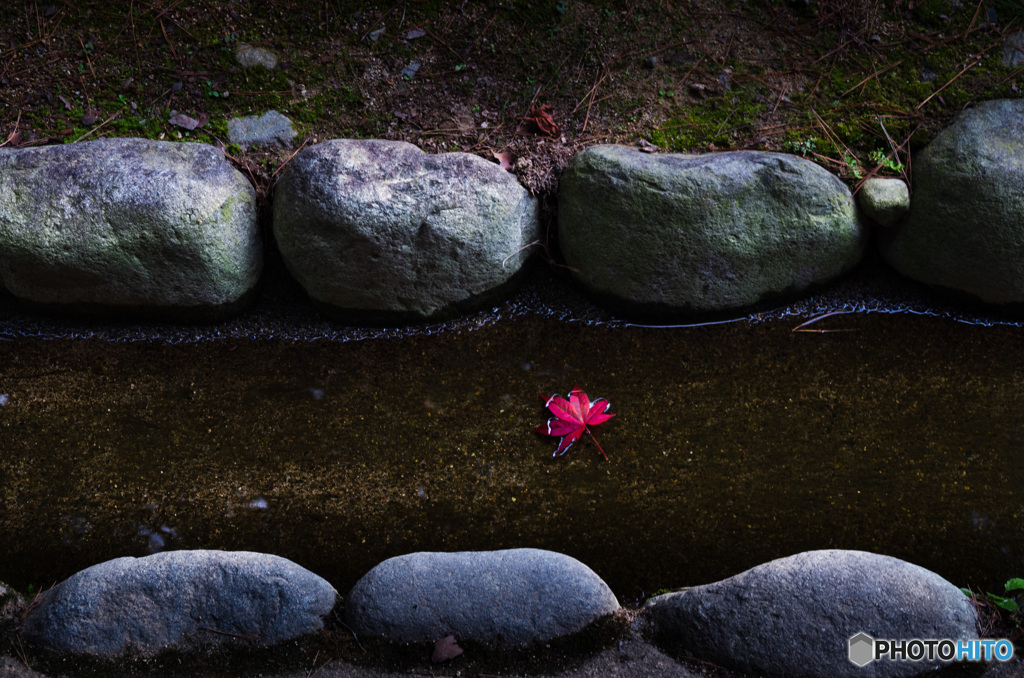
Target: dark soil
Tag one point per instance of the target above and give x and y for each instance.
(854, 84)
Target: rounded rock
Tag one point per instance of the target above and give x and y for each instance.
(510, 597)
(182, 600)
(673, 234)
(965, 231)
(128, 224)
(794, 617)
(884, 200)
(382, 231)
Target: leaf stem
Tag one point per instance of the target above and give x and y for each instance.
(596, 443)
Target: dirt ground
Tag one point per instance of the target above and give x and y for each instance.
(856, 85)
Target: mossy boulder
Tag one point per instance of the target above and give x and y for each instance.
(128, 224)
(383, 232)
(678, 234)
(965, 231)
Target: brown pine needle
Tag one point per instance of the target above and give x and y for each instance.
(799, 328)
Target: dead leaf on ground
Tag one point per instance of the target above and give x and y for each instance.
(647, 147)
(184, 121)
(90, 118)
(541, 117)
(504, 159)
(445, 649)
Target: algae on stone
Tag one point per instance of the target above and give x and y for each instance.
(965, 231)
(703, 233)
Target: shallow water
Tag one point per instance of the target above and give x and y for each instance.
(733, 444)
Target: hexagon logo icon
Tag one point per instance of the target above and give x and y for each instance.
(862, 649)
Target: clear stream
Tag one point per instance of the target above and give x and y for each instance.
(732, 444)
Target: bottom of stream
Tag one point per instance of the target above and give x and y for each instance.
(732, 445)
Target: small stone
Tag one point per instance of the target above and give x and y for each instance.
(375, 35)
(11, 606)
(651, 62)
(269, 129)
(415, 33)
(410, 70)
(884, 201)
(3, 399)
(1013, 50)
(248, 56)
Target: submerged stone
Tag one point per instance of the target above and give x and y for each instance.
(965, 231)
(132, 224)
(383, 231)
(794, 617)
(677, 234)
(510, 597)
(181, 600)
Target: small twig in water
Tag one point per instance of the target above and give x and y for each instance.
(346, 627)
(799, 327)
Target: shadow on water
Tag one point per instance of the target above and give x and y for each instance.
(733, 444)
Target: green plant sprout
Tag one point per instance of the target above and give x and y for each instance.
(805, 147)
(1004, 602)
(891, 164)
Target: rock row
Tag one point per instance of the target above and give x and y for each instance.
(379, 231)
(792, 617)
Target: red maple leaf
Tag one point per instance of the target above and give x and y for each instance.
(573, 417)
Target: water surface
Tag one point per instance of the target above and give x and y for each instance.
(733, 444)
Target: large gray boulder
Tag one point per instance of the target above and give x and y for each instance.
(181, 600)
(128, 224)
(510, 597)
(384, 231)
(794, 617)
(671, 234)
(965, 231)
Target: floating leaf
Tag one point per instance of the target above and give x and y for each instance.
(573, 417)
